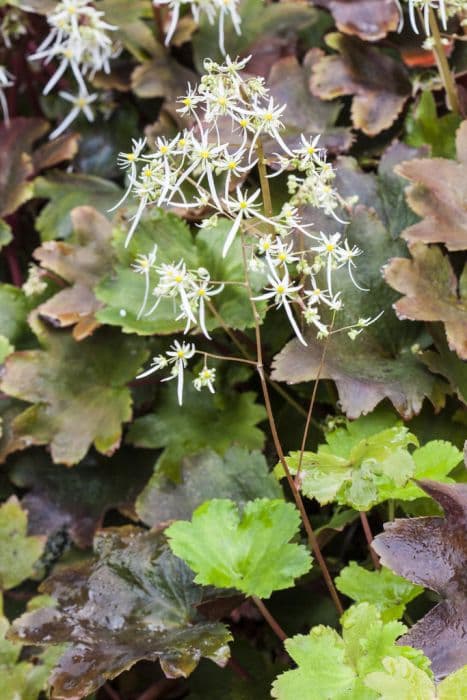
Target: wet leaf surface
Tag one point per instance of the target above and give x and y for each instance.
(134, 601)
(432, 552)
(380, 85)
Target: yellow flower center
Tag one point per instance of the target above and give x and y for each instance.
(280, 289)
(187, 101)
(311, 150)
(201, 292)
(282, 257)
(330, 247)
(243, 205)
(164, 149)
(204, 154)
(221, 101)
(178, 278)
(243, 122)
(131, 157)
(182, 143)
(181, 354)
(232, 165)
(147, 172)
(268, 117)
(81, 102)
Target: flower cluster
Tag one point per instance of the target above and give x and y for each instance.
(444, 8)
(200, 169)
(190, 290)
(6, 81)
(176, 359)
(213, 9)
(78, 39)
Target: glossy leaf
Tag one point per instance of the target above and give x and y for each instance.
(423, 126)
(253, 554)
(432, 552)
(135, 601)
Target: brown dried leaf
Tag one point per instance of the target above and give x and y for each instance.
(432, 292)
(432, 552)
(368, 19)
(161, 77)
(135, 601)
(82, 263)
(379, 83)
(439, 195)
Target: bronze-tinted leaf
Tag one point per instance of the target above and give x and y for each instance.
(19, 162)
(82, 261)
(76, 500)
(135, 601)
(369, 19)
(439, 195)
(432, 552)
(288, 83)
(16, 166)
(77, 391)
(432, 292)
(379, 83)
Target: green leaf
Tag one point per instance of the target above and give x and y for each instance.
(384, 589)
(18, 552)
(336, 667)
(401, 680)
(123, 291)
(67, 191)
(240, 475)
(433, 461)
(322, 670)
(423, 126)
(454, 687)
(6, 236)
(77, 390)
(136, 601)
(14, 309)
(253, 553)
(364, 473)
(206, 421)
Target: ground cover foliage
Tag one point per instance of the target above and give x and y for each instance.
(233, 344)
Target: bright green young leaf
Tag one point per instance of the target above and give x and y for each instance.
(454, 687)
(248, 551)
(401, 680)
(434, 461)
(65, 192)
(389, 592)
(77, 390)
(18, 552)
(336, 667)
(322, 671)
(14, 308)
(136, 601)
(206, 421)
(240, 475)
(357, 475)
(123, 291)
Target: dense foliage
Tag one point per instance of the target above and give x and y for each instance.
(233, 345)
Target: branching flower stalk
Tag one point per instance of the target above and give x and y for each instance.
(298, 265)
